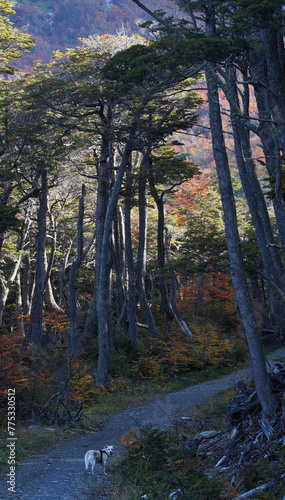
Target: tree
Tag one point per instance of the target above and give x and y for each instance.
(209, 45)
(142, 74)
(166, 172)
(12, 44)
(12, 41)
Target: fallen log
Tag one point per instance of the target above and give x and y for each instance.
(262, 487)
(248, 494)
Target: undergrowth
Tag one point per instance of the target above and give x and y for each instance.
(155, 466)
(169, 363)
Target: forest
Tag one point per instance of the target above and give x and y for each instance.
(142, 176)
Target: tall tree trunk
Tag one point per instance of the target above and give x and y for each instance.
(26, 284)
(244, 305)
(130, 279)
(164, 300)
(103, 286)
(48, 289)
(272, 264)
(268, 134)
(36, 318)
(19, 305)
(103, 193)
(175, 309)
(74, 344)
(50, 300)
(6, 286)
(119, 264)
(275, 69)
(131, 289)
(62, 273)
(4, 201)
(141, 255)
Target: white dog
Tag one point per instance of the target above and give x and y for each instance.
(93, 457)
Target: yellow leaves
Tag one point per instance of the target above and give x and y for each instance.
(109, 45)
(58, 54)
(211, 349)
(12, 41)
(83, 387)
(6, 7)
(150, 367)
(177, 354)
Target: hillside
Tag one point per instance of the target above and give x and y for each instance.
(57, 24)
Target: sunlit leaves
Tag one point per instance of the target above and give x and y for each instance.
(12, 41)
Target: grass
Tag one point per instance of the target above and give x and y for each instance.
(210, 415)
(131, 394)
(128, 393)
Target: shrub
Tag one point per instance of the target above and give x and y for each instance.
(157, 467)
(177, 354)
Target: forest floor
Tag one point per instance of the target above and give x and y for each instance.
(58, 474)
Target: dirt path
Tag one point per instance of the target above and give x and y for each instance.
(59, 473)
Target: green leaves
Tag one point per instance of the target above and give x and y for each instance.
(171, 170)
(8, 218)
(133, 66)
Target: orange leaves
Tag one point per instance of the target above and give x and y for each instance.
(130, 440)
(220, 289)
(56, 319)
(11, 365)
(83, 384)
(187, 196)
(209, 290)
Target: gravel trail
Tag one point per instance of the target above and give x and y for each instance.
(58, 474)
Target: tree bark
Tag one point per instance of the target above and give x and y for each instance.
(74, 343)
(131, 289)
(272, 264)
(268, 134)
(50, 300)
(141, 255)
(103, 288)
(103, 193)
(119, 264)
(164, 300)
(175, 309)
(6, 286)
(36, 318)
(244, 305)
